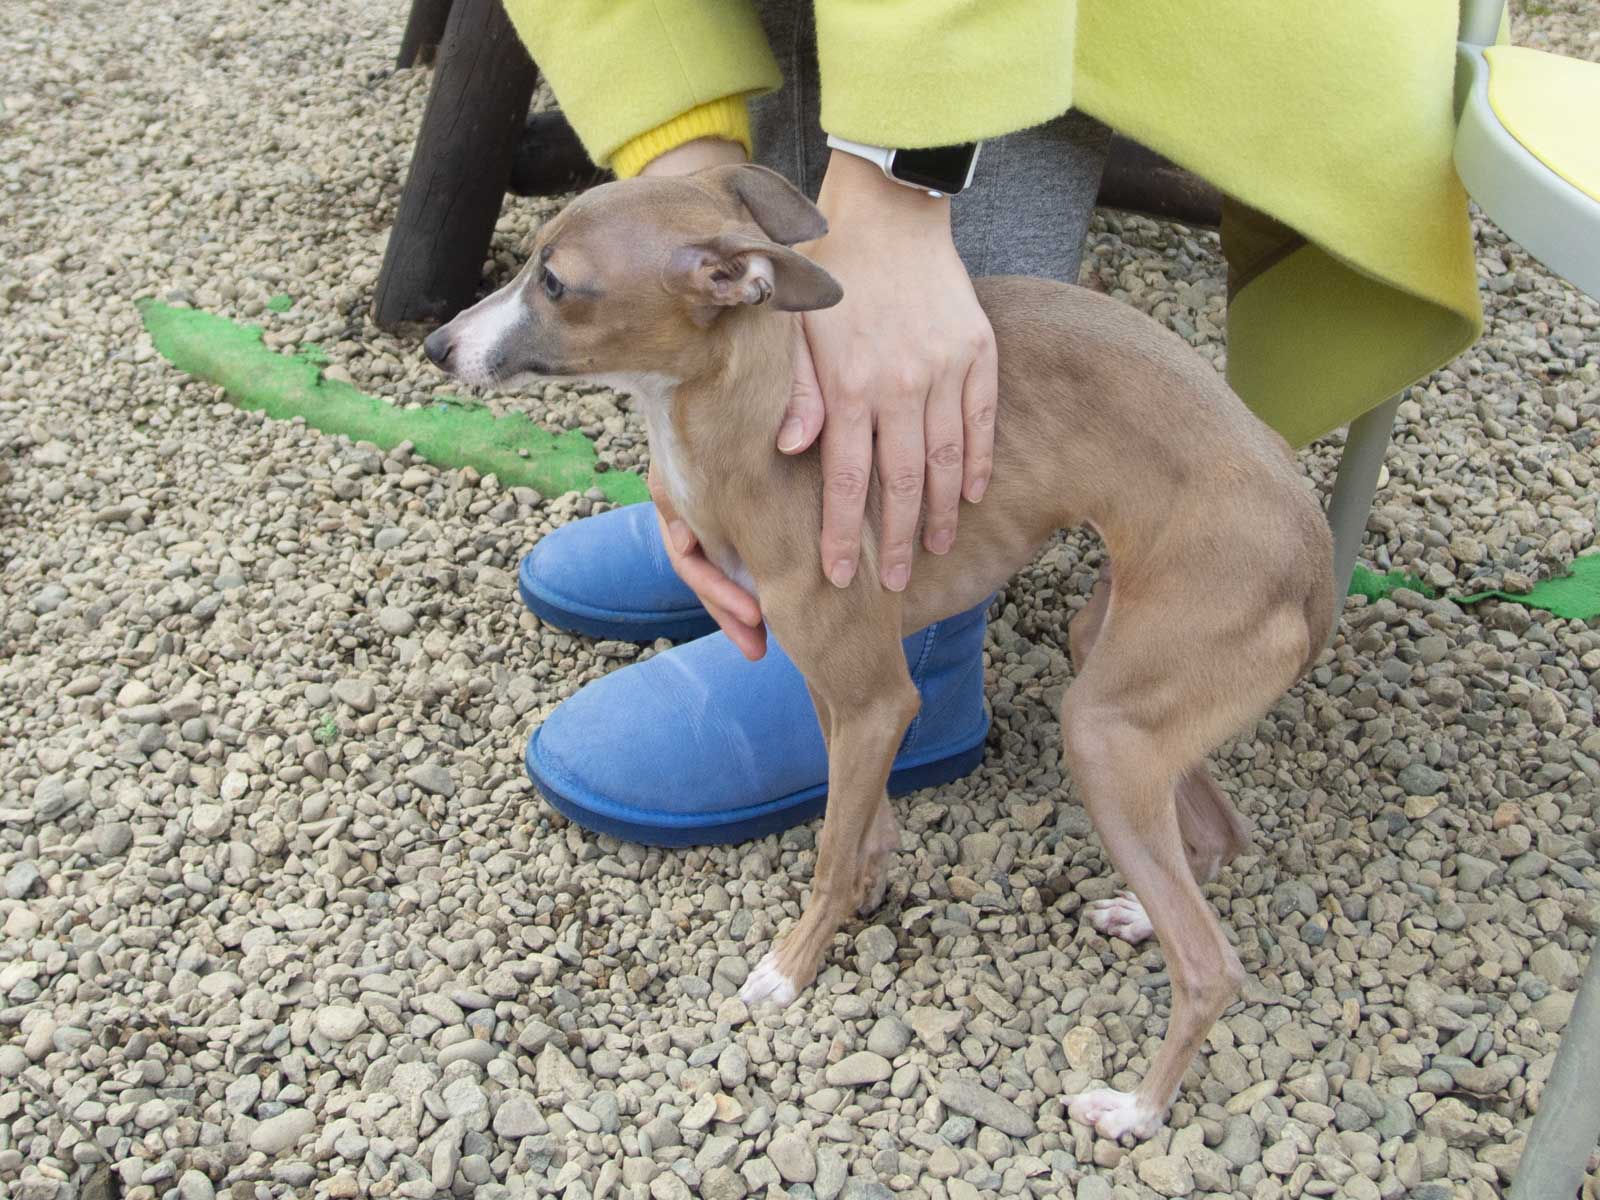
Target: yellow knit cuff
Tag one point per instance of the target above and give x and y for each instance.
(727, 118)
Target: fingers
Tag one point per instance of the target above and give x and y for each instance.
(944, 438)
(846, 467)
(735, 610)
(979, 397)
(802, 421)
(900, 471)
(750, 639)
(706, 580)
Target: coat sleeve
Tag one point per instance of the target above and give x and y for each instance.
(625, 69)
(914, 73)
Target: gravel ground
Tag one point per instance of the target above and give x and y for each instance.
(282, 917)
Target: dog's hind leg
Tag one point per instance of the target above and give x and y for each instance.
(1127, 785)
(1213, 833)
(1134, 723)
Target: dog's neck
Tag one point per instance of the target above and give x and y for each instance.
(714, 434)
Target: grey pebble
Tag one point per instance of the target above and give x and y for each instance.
(22, 879)
(357, 694)
(889, 1036)
(967, 1096)
(859, 1070)
(1419, 779)
(278, 1134)
(433, 779)
(875, 944)
(795, 1160)
(396, 622)
(113, 838)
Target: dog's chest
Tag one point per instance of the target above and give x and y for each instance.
(654, 395)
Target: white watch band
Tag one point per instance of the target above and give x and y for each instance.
(883, 159)
(879, 156)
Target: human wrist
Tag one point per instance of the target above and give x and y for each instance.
(854, 189)
(695, 155)
(717, 121)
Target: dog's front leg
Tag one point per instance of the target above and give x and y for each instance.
(865, 699)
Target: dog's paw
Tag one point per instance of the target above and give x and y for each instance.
(1121, 916)
(1113, 1114)
(768, 982)
(876, 887)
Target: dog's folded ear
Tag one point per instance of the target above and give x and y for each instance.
(780, 208)
(733, 269)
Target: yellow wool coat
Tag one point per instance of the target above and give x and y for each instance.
(1329, 126)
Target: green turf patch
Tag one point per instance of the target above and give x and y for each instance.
(280, 303)
(447, 432)
(1373, 586)
(1575, 596)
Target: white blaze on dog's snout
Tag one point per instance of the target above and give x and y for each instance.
(482, 334)
(768, 982)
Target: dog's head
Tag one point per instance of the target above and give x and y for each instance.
(632, 277)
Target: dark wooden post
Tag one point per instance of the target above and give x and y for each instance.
(1137, 179)
(459, 168)
(424, 31)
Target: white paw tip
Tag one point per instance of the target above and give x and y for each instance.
(1114, 1114)
(767, 982)
(1121, 916)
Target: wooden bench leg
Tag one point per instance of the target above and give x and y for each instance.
(459, 169)
(424, 32)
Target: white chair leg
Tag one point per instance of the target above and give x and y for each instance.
(1567, 1125)
(1353, 489)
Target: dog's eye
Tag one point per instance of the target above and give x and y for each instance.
(553, 287)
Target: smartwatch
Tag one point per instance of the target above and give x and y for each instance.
(939, 170)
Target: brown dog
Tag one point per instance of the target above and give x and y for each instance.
(1220, 592)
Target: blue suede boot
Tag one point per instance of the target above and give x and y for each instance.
(698, 745)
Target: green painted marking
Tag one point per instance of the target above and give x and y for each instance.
(449, 432)
(280, 303)
(1575, 596)
(1368, 583)
(460, 432)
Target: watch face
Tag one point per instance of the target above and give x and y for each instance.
(940, 169)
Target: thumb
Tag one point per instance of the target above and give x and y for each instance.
(802, 420)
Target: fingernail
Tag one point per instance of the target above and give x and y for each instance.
(939, 541)
(843, 572)
(975, 492)
(680, 536)
(897, 577)
(790, 436)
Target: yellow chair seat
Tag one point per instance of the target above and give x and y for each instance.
(1551, 105)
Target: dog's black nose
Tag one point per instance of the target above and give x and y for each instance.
(437, 347)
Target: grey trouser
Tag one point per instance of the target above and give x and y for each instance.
(1028, 208)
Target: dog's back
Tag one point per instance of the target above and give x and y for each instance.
(1107, 419)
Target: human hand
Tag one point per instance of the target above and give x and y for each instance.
(901, 373)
